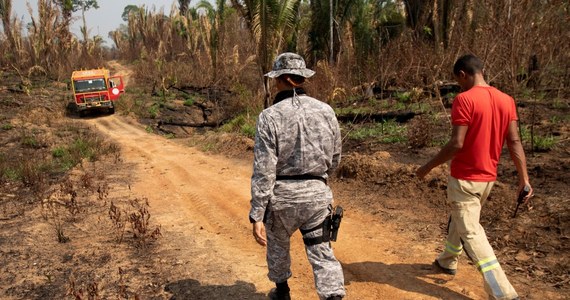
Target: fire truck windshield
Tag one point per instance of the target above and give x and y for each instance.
(89, 85)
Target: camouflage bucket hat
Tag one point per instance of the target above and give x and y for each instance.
(289, 63)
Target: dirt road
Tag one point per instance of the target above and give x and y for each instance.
(202, 203)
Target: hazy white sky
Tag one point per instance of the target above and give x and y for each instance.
(99, 21)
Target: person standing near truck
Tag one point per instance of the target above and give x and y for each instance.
(483, 118)
(297, 147)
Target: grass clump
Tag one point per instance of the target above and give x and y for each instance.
(243, 124)
(189, 102)
(153, 111)
(544, 143)
(387, 132)
(58, 152)
(30, 141)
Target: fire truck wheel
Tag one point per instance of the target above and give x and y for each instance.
(111, 110)
(82, 113)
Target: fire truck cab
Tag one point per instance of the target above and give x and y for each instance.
(96, 89)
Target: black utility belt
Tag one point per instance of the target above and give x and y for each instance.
(301, 177)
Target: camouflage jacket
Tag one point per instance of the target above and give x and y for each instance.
(297, 135)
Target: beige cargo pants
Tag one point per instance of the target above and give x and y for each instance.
(465, 232)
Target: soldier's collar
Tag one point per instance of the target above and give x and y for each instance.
(287, 94)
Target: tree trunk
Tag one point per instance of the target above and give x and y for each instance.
(416, 14)
(449, 17)
(435, 18)
(468, 26)
(331, 32)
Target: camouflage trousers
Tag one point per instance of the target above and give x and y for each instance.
(280, 225)
(465, 233)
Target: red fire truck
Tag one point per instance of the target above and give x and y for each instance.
(96, 89)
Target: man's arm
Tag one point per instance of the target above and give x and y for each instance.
(337, 147)
(517, 155)
(264, 168)
(447, 152)
(263, 178)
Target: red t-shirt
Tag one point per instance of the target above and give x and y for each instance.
(487, 112)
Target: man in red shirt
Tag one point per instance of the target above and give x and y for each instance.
(483, 119)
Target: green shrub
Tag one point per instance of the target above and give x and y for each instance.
(83, 148)
(393, 132)
(11, 174)
(544, 143)
(58, 152)
(243, 124)
(248, 130)
(189, 102)
(7, 126)
(384, 132)
(153, 111)
(403, 97)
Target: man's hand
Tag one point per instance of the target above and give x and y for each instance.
(422, 171)
(530, 193)
(259, 233)
(447, 152)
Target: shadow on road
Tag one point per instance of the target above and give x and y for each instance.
(94, 113)
(192, 289)
(416, 278)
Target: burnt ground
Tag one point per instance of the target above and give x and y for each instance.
(72, 204)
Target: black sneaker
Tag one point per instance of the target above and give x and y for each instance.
(278, 295)
(441, 269)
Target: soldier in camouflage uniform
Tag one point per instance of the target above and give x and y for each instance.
(297, 147)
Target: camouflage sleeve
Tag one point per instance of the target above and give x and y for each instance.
(337, 146)
(264, 168)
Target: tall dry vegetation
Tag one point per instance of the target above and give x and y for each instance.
(390, 43)
(405, 43)
(48, 45)
(206, 49)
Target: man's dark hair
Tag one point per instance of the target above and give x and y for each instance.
(469, 64)
(293, 79)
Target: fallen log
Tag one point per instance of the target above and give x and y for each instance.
(187, 124)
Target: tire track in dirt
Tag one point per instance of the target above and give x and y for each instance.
(202, 202)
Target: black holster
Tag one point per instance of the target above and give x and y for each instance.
(330, 227)
(336, 218)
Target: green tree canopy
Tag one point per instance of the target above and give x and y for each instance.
(129, 9)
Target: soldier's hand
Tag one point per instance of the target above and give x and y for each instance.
(259, 233)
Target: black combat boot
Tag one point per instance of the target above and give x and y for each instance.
(334, 298)
(281, 292)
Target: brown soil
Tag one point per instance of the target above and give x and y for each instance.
(198, 201)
